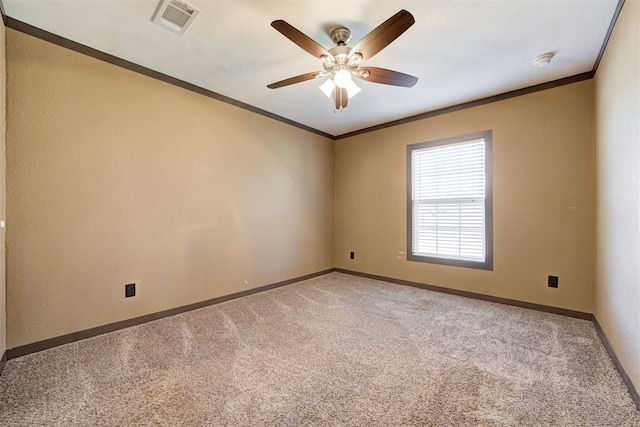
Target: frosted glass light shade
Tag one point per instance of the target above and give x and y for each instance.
(327, 87)
(352, 89)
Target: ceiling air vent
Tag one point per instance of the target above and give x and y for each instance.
(175, 15)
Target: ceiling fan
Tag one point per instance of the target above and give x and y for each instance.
(342, 62)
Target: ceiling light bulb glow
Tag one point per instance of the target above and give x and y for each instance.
(327, 87)
(342, 78)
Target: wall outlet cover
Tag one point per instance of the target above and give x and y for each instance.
(130, 290)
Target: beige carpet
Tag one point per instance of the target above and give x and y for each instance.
(337, 350)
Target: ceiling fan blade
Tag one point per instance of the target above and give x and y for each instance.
(381, 36)
(299, 38)
(296, 79)
(387, 77)
(340, 97)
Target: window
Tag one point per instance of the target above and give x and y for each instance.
(449, 202)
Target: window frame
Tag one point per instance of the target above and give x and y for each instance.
(487, 264)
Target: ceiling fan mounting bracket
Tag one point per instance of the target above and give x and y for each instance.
(341, 36)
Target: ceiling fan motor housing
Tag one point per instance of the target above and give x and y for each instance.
(340, 60)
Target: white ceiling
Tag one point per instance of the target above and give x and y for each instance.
(460, 50)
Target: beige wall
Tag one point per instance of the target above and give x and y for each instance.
(543, 198)
(3, 128)
(114, 177)
(617, 124)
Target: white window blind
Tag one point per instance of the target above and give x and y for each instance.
(448, 200)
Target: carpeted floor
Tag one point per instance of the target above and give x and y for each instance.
(337, 350)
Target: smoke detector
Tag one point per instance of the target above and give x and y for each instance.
(543, 60)
(175, 15)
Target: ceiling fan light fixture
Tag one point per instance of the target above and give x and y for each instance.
(342, 78)
(327, 87)
(342, 62)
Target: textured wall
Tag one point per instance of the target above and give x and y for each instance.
(543, 198)
(617, 119)
(116, 178)
(3, 128)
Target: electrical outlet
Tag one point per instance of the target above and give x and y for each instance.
(553, 282)
(130, 290)
(352, 255)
